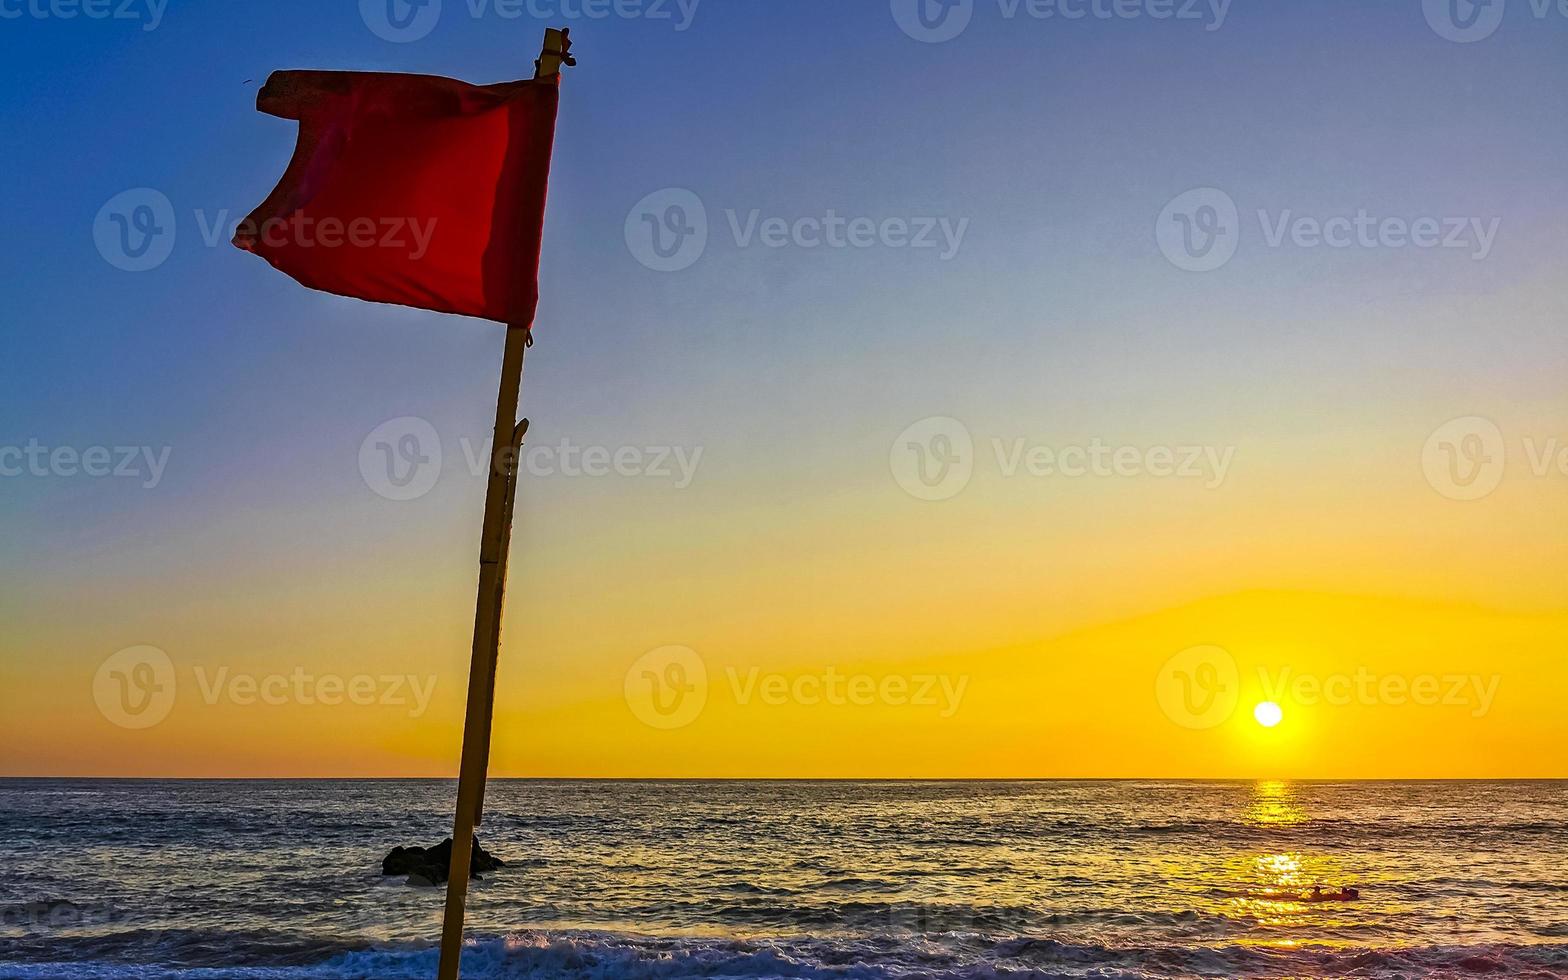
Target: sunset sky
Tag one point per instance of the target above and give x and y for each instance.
(1316, 552)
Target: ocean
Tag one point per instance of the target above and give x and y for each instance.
(623, 880)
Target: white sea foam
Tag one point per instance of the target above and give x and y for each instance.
(605, 956)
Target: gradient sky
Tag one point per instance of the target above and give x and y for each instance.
(1056, 603)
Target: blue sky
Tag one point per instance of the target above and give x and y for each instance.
(1056, 143)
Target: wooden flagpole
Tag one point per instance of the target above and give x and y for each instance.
(481, 672)
(494, 547)
(513, 467)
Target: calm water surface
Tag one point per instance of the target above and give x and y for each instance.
(855, 880)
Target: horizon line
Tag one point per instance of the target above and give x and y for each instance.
(809, 779)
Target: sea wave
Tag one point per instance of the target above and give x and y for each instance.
(607, 956)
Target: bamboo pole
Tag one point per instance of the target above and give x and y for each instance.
(487, 635)
(494, 549)
(513, 463)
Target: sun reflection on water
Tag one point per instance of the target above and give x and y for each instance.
(1273, 897)
(1274, 804)
(1276, 880)
(1279, 870)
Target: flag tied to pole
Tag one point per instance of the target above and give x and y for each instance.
(411, 189)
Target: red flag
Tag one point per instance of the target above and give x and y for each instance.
(411, 189)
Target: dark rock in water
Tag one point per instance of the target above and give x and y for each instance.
(430, 866)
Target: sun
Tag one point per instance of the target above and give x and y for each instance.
(1268, 714)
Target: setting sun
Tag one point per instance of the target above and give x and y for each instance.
(1268, 714)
